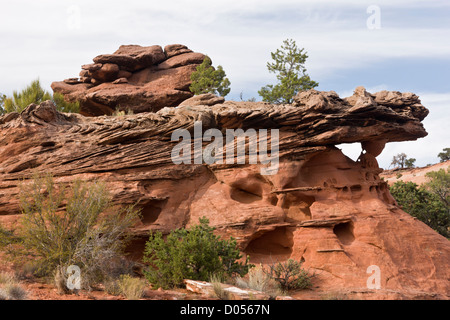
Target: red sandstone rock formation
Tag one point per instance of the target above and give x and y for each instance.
(135, 78)
(321, 207)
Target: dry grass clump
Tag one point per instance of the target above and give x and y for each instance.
(10, 289)
(259, 280)
(131, 287)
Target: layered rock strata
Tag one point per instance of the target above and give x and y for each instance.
(319, 206)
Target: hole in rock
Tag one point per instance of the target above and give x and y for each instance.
(244, 196)
(355, 187)
(350, 150)
(273, 200)
(46, 144)
(296, 206)
(344, 232)
(151, 210)
(277, 242)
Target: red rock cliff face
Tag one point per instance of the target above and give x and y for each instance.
(319, 207)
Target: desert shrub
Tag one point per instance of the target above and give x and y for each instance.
(66, 225)
(10, 288)
(191, 254)
(12, 292)
(290, 275)
(131, 287)
(259, 280)
(64, 106)
(34, 93)
(112, 287)
(429, 203)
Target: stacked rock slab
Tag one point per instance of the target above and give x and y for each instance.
(133, 78)
(321, 207)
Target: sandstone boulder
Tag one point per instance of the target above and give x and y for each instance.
(155, 78)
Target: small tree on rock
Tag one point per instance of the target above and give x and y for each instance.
(289, 65)
(34, 93)
(207, 79)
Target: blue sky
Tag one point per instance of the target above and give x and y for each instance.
(51, 39)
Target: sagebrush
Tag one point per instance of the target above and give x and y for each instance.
(73, 224)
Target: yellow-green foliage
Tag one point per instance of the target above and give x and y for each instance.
(34, 93)
(64, 106)
(131, 287)
(65, 225)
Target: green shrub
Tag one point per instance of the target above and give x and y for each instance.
(64, 106)
(290, 275)
(429, 203)
(34, 93)
(66, 225)
(193, 254)
(206, 79)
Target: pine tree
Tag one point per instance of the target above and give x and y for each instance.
(289, 65)
(34, 93)
(207, 79)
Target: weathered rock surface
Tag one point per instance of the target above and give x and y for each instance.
(319, 207)
(140, 79)
(234, 293)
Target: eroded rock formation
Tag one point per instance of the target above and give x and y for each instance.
(135, 78)
(320, 207)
